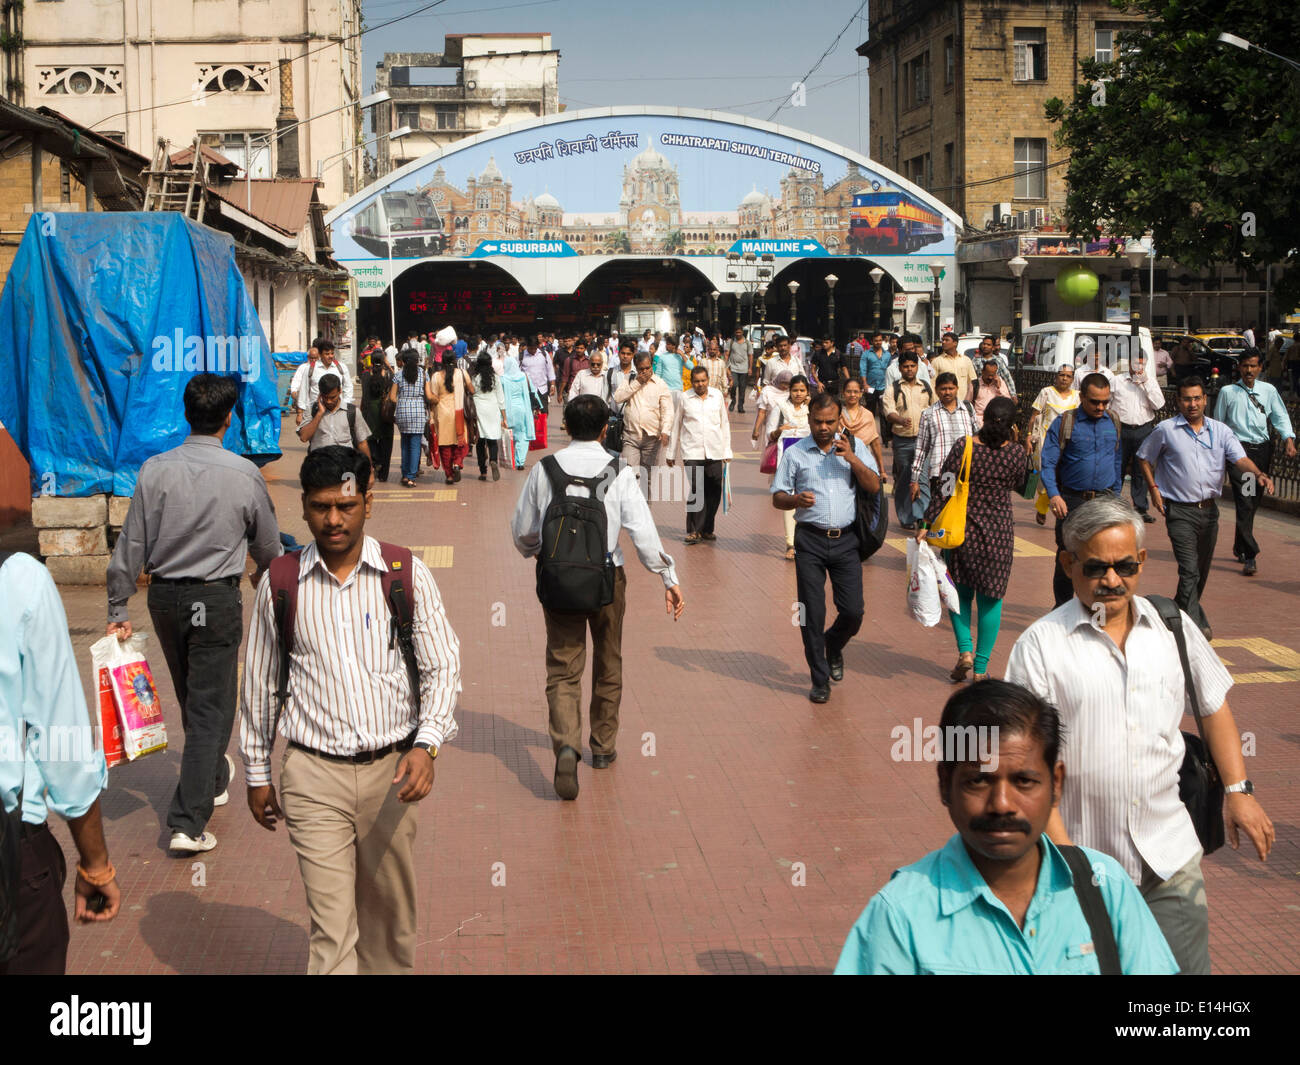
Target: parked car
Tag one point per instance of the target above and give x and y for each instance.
(759, 334)
(968, 342)
(1223, 340)
(1208, 359)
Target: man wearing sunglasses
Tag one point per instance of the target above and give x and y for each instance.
(1183, 461)
(1106, 660)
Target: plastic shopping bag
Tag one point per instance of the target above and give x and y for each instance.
(929, 588)
(110, 729)
(134, 696)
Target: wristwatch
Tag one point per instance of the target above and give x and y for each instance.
(428, 748)
(1244, 787)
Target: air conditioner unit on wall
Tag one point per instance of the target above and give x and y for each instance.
(1040, 217)
(1000, 213)
(1024, 219)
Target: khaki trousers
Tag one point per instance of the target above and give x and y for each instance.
(566, 658)
(354, 843)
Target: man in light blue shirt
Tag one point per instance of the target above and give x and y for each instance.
(1249, 408)
(49, 750)
(1000, 898)
(1188, 453)
(818, 478)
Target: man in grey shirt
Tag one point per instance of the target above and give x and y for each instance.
(334, 423)
(196, 512)
(740, 361)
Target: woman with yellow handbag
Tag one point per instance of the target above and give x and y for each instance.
(975, 527)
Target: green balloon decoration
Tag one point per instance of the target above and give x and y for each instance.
(1076, 285)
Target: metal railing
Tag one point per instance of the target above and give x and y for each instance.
(1284, 471)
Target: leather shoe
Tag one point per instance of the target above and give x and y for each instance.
(836, 662)
(1248, 567)
(1147, 518)
(566, 773)
(819, 695)
(603, 761)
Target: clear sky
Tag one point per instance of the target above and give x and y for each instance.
(729, 55)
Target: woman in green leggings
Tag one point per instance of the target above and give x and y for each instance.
(981, 566)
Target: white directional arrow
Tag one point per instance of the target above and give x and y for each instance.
(489, 247)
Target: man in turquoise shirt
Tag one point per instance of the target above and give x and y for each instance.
(669, 365)
(49, 755)
(1250, 407)
(1000, 898)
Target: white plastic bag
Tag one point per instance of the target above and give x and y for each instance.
(123, 667)
(929, 588)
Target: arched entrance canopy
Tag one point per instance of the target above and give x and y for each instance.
(552, 199)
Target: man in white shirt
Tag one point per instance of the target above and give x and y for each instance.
(1135, 397)
(363, 723)
(305, 384)
(566, 634)
(300, 384)
(1106, 660)
(390, 357)
(786, 361)
(591, 381)
(701, 440)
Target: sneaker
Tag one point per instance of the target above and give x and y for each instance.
(183, 844)
(224, 797)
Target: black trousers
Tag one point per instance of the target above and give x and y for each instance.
(817, 556)
(739, 385)
(199, 627)
(1062, 586)
(42, 916)
(703, 493)
(1131, 438)
(381, 449)
(1193, 532)
(485, 449)
(1245, 495)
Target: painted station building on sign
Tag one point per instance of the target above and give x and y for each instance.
(564, 219)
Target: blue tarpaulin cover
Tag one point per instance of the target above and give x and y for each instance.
(104, 319)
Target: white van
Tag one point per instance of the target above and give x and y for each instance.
(1085, 344)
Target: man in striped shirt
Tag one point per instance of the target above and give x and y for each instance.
(1107, 662)
(942, 425)
(361, 743)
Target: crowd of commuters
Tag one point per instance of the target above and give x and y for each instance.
(1088, 716)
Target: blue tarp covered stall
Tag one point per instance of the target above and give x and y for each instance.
(104, 319)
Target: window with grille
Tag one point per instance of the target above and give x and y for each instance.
(1103, 50)
(1031, 178)
(916, 74)
(447, 116)
(250, 150)
(1030, 55)
(408, 115)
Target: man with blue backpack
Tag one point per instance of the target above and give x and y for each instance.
(568, 517)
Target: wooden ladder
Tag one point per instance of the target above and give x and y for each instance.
(173, 188)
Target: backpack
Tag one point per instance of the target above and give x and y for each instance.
(575, 570)
(900, 398)
(401, 606)
(1067, 427)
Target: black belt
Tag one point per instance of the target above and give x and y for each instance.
(233, 582)
(1085, 496)
(1204, 504)
(31, 831)
(830, 534)
(362, 758)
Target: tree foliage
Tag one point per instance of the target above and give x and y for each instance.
(1194, 141)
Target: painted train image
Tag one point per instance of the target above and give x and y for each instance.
(891, 222)
(403, 224)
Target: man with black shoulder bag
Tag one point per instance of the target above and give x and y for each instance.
(1122, 670)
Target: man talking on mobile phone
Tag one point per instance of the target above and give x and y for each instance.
(818, 478)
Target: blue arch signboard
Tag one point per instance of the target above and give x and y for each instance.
(572, 189)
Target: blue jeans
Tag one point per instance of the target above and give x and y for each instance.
(410, 455)
(908, 512)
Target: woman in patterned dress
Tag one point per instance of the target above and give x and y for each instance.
(981, 566)
(410, 392)
(1052, 402)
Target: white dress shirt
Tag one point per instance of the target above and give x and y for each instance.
(349, 691)
(701, 429)
(894, 372)
(625, 508)
(1136, 398)
(306, 382)
(1121, 711)
(586, 383)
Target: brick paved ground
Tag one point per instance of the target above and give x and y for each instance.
(752, 838)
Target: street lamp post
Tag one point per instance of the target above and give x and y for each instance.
(877, 275)
(831, 281)
(936, 271)
(793, 286)
(715, 294)
(1246, 46)
(320, 163)
(762, 311)
(1136, 254)
(1017, 268)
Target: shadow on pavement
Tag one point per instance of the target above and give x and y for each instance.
(760, 669)
(492, 734)
(737, 962)
(179, 929)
